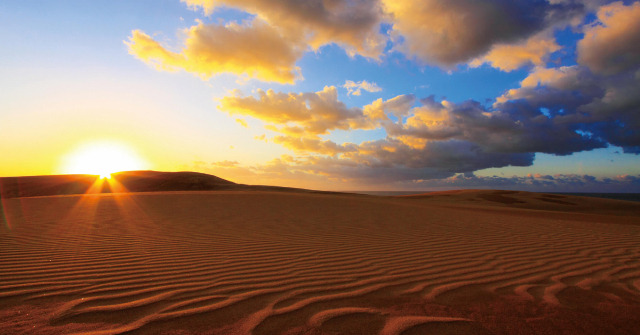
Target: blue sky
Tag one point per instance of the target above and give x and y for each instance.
(532, 95)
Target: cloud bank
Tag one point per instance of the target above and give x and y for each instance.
(539, 183)
(556, 109)
(505, 34)
(288, 171)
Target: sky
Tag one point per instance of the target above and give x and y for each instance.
(328, 94)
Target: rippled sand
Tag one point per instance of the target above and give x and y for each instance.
(478, 262)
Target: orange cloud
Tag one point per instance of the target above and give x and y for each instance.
(509, 57)
(352, 24)
(610, 46)
(256, 50)
(443, 33)
(451, 32)
(302, 114)
(398, 106)
(147, 49)
(565, 78)
(317, 146)
(510, 33)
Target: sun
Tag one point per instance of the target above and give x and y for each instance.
(103, 159)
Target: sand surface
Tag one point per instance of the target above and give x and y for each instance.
(251, 262)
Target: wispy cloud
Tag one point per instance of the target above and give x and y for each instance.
(354, 88)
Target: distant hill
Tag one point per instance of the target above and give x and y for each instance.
(132, 181)
(129, 181)
(154, 181)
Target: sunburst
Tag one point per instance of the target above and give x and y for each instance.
(103, 159)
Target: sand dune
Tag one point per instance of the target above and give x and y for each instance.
(258, 262)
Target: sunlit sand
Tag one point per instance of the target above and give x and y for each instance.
(243, 261)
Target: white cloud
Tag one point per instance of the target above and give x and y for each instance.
(354, 88)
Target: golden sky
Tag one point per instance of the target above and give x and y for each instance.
(328, 94)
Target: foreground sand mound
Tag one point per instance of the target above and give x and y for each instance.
(237, 262)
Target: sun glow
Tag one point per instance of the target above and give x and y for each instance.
(103, 159)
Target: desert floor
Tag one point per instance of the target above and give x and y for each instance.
(251, 262)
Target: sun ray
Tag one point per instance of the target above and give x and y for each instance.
(95, 201)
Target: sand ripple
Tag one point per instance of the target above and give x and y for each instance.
(275, 263)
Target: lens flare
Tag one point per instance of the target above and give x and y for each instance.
(103, 159)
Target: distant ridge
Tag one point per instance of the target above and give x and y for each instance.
(154, 181)
(131, 181)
